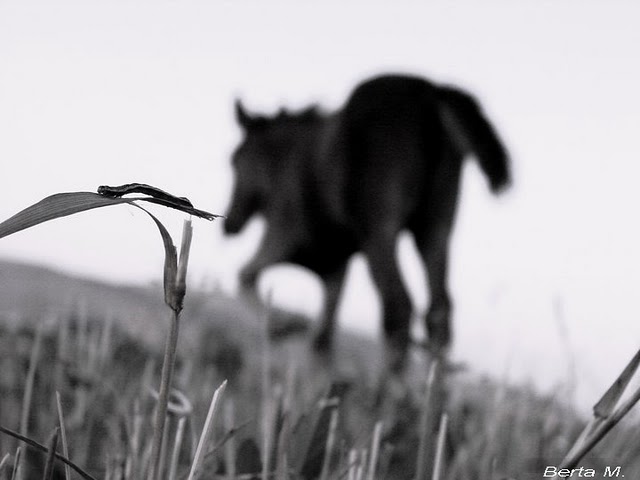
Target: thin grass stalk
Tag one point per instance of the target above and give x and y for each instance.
(492, 435)
(63, 436)
(105, 343)
(183, 262)
(604, 408)
(83, 347)
(51, 456)
(62, 353)
(353, 464)
(178, 289)
(267, 402)
(193, 437)
(145, 460)
(282, 463)
(426, 422)
(31, 375)
(207, 431)
(177, 446)
(564, 337)
(108, 469)
(582, 438)
(375, 450)
(42, 448)
(81, 328)
(362, 465)
(229, 447)
(601, 430)
(290, 385)
(287, 406)
(4, 462)
(16, 464)
(131, 462)
(331, 440)
(168, 364)
(163, 448)
(146, 381)
(223, 441)
(438, 463)
(93, 357)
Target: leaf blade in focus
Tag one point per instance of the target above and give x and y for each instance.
(56, 206)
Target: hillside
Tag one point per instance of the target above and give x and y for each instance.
(105, 375)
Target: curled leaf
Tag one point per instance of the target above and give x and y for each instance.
(170, 262)
(65, 204)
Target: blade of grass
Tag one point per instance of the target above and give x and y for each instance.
(282, 464)
(56, 206)
(183, 263)
(177, 445)
(438, 464)
(31, 375)
(267, 401)
(610, 399)
(353, 464)
(51, 456)
(16, 465)
(163, 396)
(170, 261)
(601, 430)
(363, 464)
(222, 442)
(4, 462)
(163, 448)
(106, 342)
(229, 448)
(206, 432)
(63, 436)
(174, 299)
(331, 440)
(375, 449)
(62, 353)
(605, 406)
(133, 442)
(426, 422)
(42, 448)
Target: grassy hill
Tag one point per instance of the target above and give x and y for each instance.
(99, 346)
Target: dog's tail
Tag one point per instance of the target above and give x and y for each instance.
(472, 133)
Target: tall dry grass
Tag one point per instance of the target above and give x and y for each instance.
(78, 380)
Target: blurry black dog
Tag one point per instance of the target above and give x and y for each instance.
(331, 185)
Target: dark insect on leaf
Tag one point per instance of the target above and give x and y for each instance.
(144, 189)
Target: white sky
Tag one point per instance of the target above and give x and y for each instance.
(128, 91)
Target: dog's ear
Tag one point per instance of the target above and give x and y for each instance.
(244, 118)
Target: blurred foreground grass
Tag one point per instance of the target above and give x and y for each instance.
(100, 348)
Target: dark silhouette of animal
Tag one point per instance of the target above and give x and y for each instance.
(333, 184)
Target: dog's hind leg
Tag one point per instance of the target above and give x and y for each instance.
(380, 250)
(433, 245)
(333, 283)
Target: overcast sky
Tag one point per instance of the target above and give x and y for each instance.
(115, 92)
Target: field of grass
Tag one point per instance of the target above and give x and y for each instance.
(86, 356)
